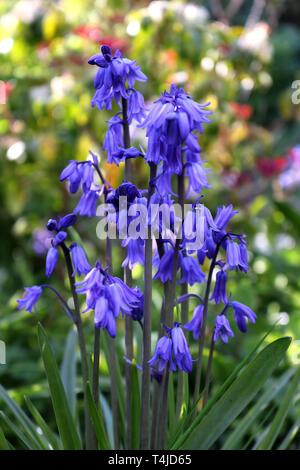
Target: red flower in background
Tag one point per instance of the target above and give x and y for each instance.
(269, 167)
(93, 33)
(242, 111)
(88, 31)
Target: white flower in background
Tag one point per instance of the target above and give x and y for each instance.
(61, 85)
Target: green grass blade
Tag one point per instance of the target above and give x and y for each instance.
(235, 438)
(64, 420)
(135, 405)
(3, 442)
(97, 419)
(236, 397)
(27, 442)
(68, 369)
(21, 419)
(120, 387)
(277, 423)
(290, 435)
(48, 433)
(179, 441)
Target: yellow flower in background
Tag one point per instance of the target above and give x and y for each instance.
(238, 132)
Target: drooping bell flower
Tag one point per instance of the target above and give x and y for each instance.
(222, 329)
(219, 293)
(181, 352)
(80, 262)
(113, 75)
(241, 312)
(51, 260)
(191, 271)
(30, 299)
(195, 324)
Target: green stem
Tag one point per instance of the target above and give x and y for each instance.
(82, 346)
(128, 281)
(204, 321)
(112, 364)
(145, 398)
(208, 370)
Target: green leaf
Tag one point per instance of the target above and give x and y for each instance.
(68, 369)
(241, 429)
(120, 386)
(64, 420)
(236, 397)
(48, 433)
(3, 442)
(135, 405)
(277, 423)
(97, 419)
(22, 420)
(181, 438)
(27, 442)
(290, 435)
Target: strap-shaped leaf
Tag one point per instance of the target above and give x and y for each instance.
(277, 423)
(64, 420)
(68, 369)
(236, 436)
(97, 420)
(237, 396)
(135, 409)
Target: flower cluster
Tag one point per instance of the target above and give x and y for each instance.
(108, 296)
(173, 349)
(172, 127)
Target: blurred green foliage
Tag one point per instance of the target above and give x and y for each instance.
(46, 119)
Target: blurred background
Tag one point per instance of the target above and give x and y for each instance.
(243, 56)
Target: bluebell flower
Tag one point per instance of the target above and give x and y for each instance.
(113, 138)
(135, 252)
(197, 177)
(52, 225)
(88, 203)
(181, 352)
(171, 122)
(30, 299)
(195, 324)
(108, 296)
(80, 263)
(72, 174)
(234, 258)
(67, 221)
(87, 175)
(59, 238)
(112, 75)
(165, 269)
(78, 173)
(126, 189)
(121, 154)
(137, 311)
(222, 329)
(51, 260)
(219, 293)
(241, 312)
(224, 215)
(105, 314)
(136, 106)
(191, 271)
(163, 354)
